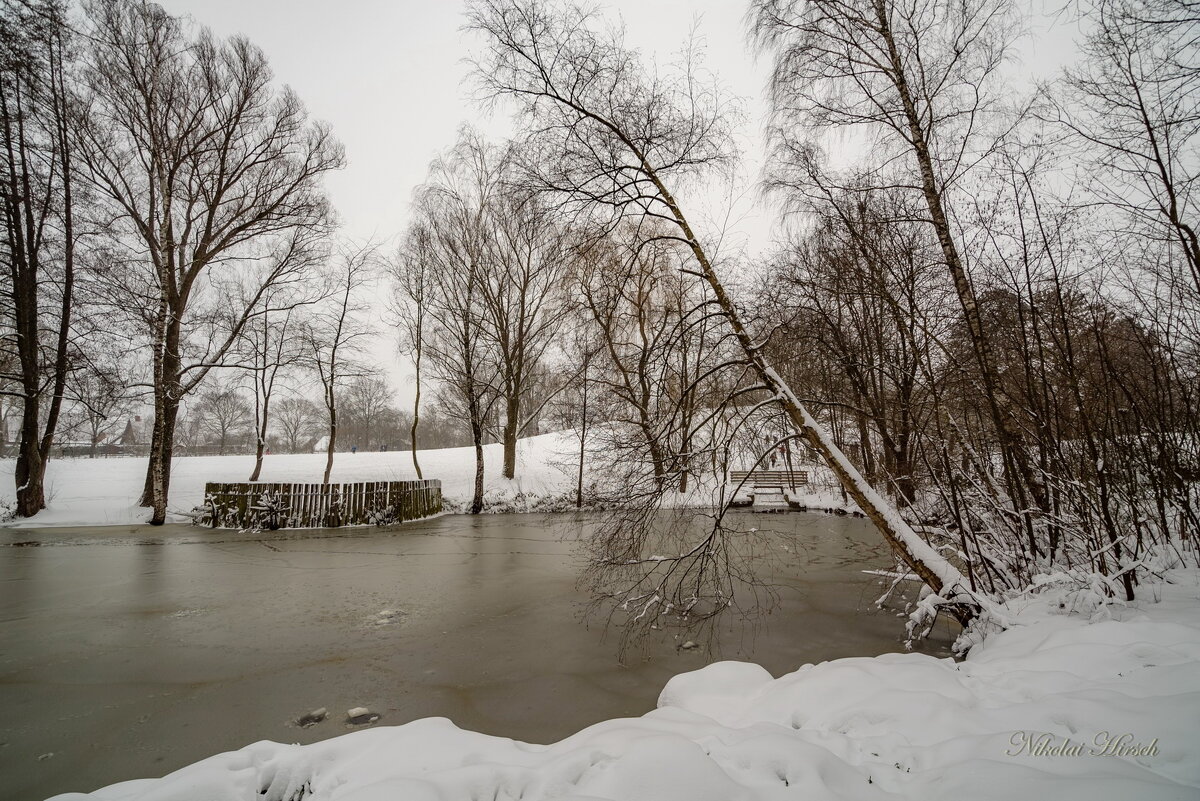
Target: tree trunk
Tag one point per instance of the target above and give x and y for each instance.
(579, 477)
(161, 372)
(1011, 439)
(684, 457)
(867, 453)
(148, 486)
(24, 265)
(583, 421)
(59, 94)
(260, 446)
(333, 429)
(906, 482)
(31, 465)
(477, 499)
(929, 565)
(158, 471)
(416, 417)
(512, 412)
(476, 416)
(166, 411)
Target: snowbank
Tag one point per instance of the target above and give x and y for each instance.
(90, 492)
(1020, 718)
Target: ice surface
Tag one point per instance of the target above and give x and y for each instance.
(890, 727)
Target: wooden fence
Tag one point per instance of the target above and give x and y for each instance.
(268, 505)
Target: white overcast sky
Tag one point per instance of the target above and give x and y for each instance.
(390, 77)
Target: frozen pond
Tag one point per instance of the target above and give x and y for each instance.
(127, 653)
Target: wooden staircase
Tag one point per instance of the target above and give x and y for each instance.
(769, 490)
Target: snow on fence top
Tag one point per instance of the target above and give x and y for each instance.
(274, 505)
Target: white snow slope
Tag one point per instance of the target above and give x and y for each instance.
(98, 492)
(104, 492)
(891, 727)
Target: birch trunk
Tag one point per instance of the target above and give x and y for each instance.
(416, 417)
(512, 422)
(933, 569)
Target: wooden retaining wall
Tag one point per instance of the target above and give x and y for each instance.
(273, 505)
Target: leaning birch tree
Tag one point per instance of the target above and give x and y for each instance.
(615, 139)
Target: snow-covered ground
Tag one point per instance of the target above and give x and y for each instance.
(1055, 708)
(103, 492)
(90, 492)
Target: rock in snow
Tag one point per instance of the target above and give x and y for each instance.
(360, 715)
(1056, 707)
(312, 718)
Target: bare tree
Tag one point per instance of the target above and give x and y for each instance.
(518, 256)
(297, 419)
(213, 185)
(410, 283)
(614, 137)
(102, 398)
(367, 409)
(272, 347)
(528, 251)
(337, 329)
(224, 414)
(1133, 104)
(634, 306)
(450, 216)
(577, 407)
(860, 292)
(40, 238)
(918, 80)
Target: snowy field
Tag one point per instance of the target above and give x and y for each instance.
(98, 492)
(1056, 708)
(104, 492)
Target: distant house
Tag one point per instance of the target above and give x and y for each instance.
(135, 437)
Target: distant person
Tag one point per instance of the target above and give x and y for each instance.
(354, 449)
